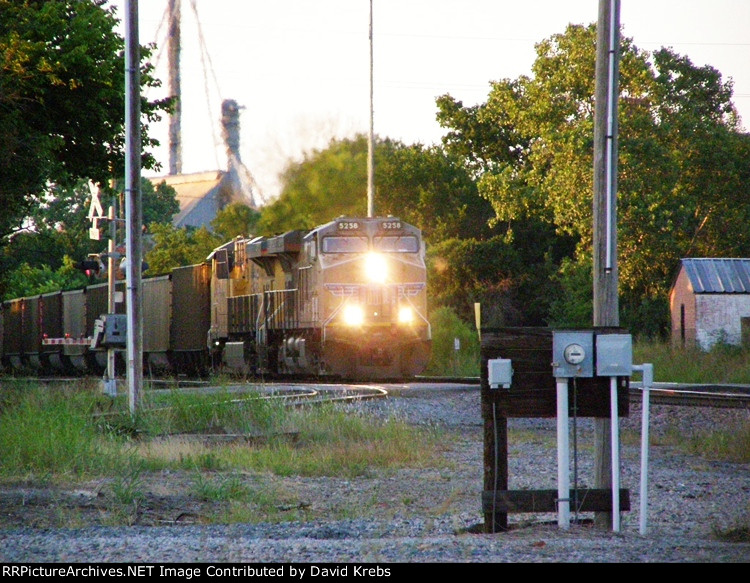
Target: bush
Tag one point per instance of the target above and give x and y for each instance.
(447, 327)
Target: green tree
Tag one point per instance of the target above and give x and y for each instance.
(159, 203)
(326, 184)
(421, 185)
(236, 219)
(62, 99)
(428, 188)
(29, 281)
(174, 247)
(682, 159)
(494, 273)
(57, 226)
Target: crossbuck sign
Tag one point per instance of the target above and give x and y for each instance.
(96, 212)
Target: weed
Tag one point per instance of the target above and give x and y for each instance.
(221, 489)
(724, 364)
(728, 444)
(127, 487)
(45, 430)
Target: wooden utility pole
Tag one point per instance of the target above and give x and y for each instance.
(173, 60)
(133, 205)
(606, 306)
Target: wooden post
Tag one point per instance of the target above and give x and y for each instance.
(173, 58)
(532, 393)
(606, 308)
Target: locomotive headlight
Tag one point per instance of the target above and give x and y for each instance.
(376, 268)
(405, 315)
(353, 315)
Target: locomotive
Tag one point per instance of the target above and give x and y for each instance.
(346, 299)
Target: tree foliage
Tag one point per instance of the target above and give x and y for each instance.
(158, 203)
(421, 185)
(57, 228)
(326, 184)
(682, 182)
(174, 247)
(62, 99)
(28, 281)
(426, 187)
(510, 280)
(236, 219)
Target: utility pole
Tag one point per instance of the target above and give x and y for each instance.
(173, 60)
(133, 206)
(606, 305)
(370, 140)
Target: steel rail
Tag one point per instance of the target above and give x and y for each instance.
(301, 390)
(693, 396)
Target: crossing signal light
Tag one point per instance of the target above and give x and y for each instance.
(89, 267)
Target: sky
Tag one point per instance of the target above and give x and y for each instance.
(301, 68)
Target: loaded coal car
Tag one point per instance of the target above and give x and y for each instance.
(55, 332)
(347, 298)
(25, 322)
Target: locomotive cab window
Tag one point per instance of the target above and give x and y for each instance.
(397, 244)
(345, 245)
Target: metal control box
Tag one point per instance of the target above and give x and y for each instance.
(499, 373)
(572, 354)
(110, 330)
(614, 355)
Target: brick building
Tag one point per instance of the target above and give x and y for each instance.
(710, 302)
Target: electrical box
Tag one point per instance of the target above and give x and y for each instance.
(500, 373)
(614, 355)
(573, 354)
(110, 330)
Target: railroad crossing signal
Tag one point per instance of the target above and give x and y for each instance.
(96, 212)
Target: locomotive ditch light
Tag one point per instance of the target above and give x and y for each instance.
(353, 315)
(405, 315)
(376, 268)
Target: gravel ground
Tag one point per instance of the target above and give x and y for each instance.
(690, 499)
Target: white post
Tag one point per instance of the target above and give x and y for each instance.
(563, 453)
(110, 385)
(615, 455)
(648, 380)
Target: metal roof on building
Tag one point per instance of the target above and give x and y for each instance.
(711, 276)
(197, 194)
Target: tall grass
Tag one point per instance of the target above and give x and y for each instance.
(50, 431)
(54, 432)
(724, 364)
(180, 411)
(455, 345)
(334, 441)
(730, 444)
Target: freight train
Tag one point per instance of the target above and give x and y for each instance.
(346, 299)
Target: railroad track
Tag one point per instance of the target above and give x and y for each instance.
(727, 396)
(721, 396)
(312, 391)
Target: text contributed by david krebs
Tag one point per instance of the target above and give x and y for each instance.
(194, 572)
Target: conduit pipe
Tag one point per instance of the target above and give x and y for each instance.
(615, 436)
(647, 370)
(563, 455)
